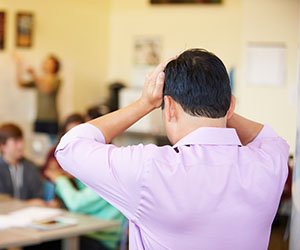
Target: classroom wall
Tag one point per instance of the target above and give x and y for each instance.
(215, 27)
(75, 30)
(272, 21)
(225, 30)
(95, 41)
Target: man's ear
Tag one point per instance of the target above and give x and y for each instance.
(169, 108)
(230, 111)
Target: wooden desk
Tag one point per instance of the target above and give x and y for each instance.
(4, 197)
(19, 237)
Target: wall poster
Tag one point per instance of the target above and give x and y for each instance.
(24, 29)
(2, 30)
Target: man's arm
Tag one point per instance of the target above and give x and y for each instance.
(114, 173)
(117, 122)
(247, 130)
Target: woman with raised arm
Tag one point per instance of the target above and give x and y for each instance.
(47, 85)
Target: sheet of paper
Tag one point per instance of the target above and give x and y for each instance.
(6, 221)
(26, 216)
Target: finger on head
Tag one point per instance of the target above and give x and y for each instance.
(159, 84)
(160, 68)
(148, 75)
(160, 78)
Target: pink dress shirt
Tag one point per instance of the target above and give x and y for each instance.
(207, 192)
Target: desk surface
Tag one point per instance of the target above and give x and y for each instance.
(4, 197)
(16, 237)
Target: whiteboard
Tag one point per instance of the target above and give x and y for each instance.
(266, 64)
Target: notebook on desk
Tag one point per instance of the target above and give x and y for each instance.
(52, 224)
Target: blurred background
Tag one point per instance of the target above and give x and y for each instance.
(106, 47)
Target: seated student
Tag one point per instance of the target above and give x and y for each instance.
(70, 122)
(51, 163)
(19, 177)
(81, 199)
(92, 113)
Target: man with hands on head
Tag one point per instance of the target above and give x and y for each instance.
(217, 187)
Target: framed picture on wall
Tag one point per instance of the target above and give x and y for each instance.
(184, 1)
(146, 56)
(24, 29)
(147, 51)
(2, 30)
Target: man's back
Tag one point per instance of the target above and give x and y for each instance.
(211, 196)
(205, 192)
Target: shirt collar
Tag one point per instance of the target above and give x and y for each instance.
(210, 136)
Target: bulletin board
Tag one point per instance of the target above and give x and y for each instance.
(266, 64)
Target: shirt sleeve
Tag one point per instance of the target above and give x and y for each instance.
(272, 149)
(115, 173)
(267, 138)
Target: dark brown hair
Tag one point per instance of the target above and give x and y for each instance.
(76, 117)
(9, 130)
(56, 62)
(198, 81)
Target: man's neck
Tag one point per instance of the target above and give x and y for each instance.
(190, 123)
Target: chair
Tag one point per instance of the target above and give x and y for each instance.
(124, 237)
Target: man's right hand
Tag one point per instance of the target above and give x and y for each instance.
(152, 95)
(153, 87)
(117, 122)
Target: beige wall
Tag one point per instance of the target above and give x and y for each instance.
(225, 30)
(272, 22)
(75, 30)
(217, 28)
(95, 40)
